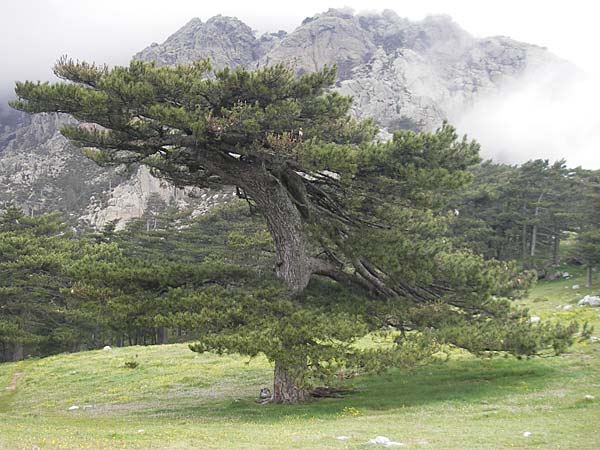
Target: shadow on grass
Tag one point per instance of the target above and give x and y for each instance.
(456, 381)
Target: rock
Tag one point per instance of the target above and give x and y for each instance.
(73, 408)
(566, 275)
(265, 393)
(107, 347)
(379, 440)
(554, 276)
(575, 286)
(342, 438)
(594, 339)
(567, 307)
(333, 37)
(527, 434)
(386, 442)
(589, 397)
(141, 430)
(227, 41)
(534, 319)
(590, 300)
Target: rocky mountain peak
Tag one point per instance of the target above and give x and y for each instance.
(227, 41)
(333, 37)
(403, 73)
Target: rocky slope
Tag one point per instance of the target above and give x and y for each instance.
(404, 74)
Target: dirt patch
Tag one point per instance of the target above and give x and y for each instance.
(14, 381)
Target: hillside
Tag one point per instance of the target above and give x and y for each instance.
(179, 399)
(404, 74)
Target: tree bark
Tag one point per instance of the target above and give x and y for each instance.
(556, 251)
(533, 240)
(287, 387)
(588, 277)
(534, 230)
(524, 242)
(17, 351)
(283, 215)
(161, 335)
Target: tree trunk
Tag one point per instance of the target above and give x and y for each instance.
(588, 277)
(533, 240)
(534, 230)
(161, 335)
(556, 251)
(282, 213)
(524, 242)
(286, 386)
(17, 351)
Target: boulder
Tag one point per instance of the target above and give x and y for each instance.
(591, 300)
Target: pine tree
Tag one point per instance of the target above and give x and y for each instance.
(38, 313)
(587, 248)
(337, 204)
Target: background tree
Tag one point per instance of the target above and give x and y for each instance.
(519, 212)
(38, 314)
(367, 214)
(587, 248)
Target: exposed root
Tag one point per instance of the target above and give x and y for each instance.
(330, 392)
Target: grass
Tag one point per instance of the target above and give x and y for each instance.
(177, 399)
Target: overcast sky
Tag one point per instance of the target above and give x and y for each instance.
(34, 33)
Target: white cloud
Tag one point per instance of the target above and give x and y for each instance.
(552, 114)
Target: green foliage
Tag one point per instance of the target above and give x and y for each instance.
(36, 310)
(371, 216)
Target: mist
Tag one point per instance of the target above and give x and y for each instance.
(551, 113)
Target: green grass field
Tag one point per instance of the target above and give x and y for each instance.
(177, 399)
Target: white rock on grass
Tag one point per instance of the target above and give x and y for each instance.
(107, 347)
(342, 438)
(594, 339)
(567, 307)
(73, 408)
(589, 397)
(386, 442)
(534, 319)
(527, 434)
(575, 286)
(591, 300)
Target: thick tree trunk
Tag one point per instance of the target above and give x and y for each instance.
(282, 213)
(286, 386)
(588, 277)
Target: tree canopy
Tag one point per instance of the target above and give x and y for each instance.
(369, 215)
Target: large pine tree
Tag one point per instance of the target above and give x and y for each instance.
(337, 203)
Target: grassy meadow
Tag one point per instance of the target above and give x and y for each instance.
(177, 399)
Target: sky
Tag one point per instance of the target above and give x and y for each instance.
(35, 33)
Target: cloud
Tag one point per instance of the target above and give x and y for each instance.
(551, 113)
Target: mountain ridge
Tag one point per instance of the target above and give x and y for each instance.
(404, 74)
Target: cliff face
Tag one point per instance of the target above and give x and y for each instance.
(225, 40)
(404, 74)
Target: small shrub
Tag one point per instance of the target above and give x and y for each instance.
(131, 364)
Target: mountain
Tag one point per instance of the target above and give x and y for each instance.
(405, 74)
